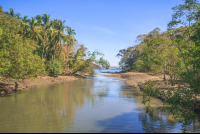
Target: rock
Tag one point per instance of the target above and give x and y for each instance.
(2, 93)
(8, 91)
(52, 80)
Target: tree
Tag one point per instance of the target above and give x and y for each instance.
(24, 24)
(13, 14)
(128, 57)
(17, 60)
(70, 42)
(59, 27)
(103, 63)
(46, 25)
(34, 29)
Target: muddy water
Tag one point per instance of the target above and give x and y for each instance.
(98, 104)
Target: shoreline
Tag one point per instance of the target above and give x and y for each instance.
(139, 81)
(8, 87)
(136, 79)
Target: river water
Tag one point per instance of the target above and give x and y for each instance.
(96, 104)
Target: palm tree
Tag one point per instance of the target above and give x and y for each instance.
(34, 29)
(46, 25)
(39, 20)
(78, 59)
(58, 29)
(70, 42)
(24, 24)
(13, 14)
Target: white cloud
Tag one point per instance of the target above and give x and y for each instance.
(98, 29)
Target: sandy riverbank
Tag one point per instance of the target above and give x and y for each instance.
(8, 87)
(138, 80)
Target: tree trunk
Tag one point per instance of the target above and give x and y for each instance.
(164, 74)
(43, 50)
(16, 86)
(54, 53)
(67, 61)
(68, 57)
(44, 42)
(46, 52)
(174, 81)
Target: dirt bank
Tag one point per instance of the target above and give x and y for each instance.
(135, 78)
(8, 87)
(139, 81)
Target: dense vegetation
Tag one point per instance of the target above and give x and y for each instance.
(38, 46)
(175, 52)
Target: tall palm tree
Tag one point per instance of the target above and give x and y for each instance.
(34, 29)
(46, 26)
(24, 24)
(70, 42)
(70, 31)
(65, 43)
(13, 14)
(39, 20)
(59, 28)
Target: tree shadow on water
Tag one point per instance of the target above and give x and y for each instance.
(124, 123)
(137, 122)
(155, 124)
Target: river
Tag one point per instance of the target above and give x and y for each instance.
(96, 104)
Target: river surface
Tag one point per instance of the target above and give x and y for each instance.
(96, 104)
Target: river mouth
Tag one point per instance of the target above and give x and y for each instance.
(97, 104)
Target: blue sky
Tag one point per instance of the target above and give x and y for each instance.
(106, 25)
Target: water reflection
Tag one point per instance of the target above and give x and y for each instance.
(99, 104)
(155, 124)
(48, 108)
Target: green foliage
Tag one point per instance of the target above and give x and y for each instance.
(148, 93)
(138, 65)
(17, 60)
(103, 63)
(54, 69)
(176, 53)
(128, 57)
(29, 46)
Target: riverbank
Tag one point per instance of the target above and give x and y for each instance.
(9, 87)
(136, 79)
(139, 81)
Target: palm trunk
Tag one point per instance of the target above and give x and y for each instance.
(54, 53)
(67, 61)
(68, 55)
(43, 50)
(46, 53)
(24, 30)
(44, 42)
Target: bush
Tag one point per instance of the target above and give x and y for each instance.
(56, 69)
(138, 65)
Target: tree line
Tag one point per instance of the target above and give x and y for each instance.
(175, 52)
(39, 46)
